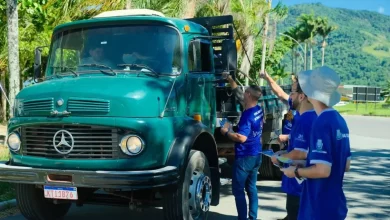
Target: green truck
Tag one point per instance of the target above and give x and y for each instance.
(125, 111)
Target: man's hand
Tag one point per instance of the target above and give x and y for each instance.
(289, 172)
(225, 128)
(282, 138)
(263, 74)
(274, 159)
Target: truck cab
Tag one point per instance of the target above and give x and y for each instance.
(125, 112)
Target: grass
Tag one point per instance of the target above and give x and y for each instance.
(380, 41)
(379, 110)
(7, 190)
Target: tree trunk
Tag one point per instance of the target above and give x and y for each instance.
(245, 64)
(311, 55)
(128, 4)
(305, 61)
(190, 9)
(13, 51)
(323, 53)
(265, 35)
(3, 98)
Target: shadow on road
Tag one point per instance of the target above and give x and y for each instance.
(367, 186)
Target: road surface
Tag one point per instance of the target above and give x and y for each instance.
(367, 186)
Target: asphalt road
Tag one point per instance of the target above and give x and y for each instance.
(367, 186)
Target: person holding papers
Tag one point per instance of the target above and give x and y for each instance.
(329, 152)
(299, 139)
(247, 149)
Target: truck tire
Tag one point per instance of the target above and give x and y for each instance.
(34, 206)
(192, 197)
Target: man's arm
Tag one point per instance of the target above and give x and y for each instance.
(348, 165)
(278, 91)
(239, 94)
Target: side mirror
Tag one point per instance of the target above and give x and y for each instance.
(229, 55)
(37, 63)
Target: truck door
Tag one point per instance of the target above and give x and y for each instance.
(201, 93)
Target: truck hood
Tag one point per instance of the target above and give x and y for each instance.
(121, 96)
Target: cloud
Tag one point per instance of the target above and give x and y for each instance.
(381, 10)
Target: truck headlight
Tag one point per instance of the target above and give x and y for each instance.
(132, 145)
(13, 141)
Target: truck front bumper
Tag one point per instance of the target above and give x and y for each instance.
(90, 179)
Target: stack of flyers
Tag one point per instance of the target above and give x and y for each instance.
(268, 153)
(284, 160)
(222, 122)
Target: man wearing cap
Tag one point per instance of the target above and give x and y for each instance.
(329, 153)
(297, 149)
(247, 149)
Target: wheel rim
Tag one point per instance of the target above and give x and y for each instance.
(199, 194)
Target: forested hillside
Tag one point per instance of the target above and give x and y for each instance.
(359, 49)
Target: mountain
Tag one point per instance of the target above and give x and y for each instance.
(359, 50)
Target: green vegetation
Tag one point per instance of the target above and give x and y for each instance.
(7, 190)
(381, 109)
(351, 48)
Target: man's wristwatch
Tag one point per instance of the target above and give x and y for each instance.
(296, 173)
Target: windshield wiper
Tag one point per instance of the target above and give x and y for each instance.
(140, 66)
(66, 68)
(101, 66)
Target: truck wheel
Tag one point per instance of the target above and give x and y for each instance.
(192, 198)
(34, 206)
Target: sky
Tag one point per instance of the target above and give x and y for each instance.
(380, 6)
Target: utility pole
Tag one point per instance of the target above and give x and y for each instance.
(265, 36)
(13, 51)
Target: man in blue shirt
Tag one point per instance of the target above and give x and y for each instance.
(292, 114)
(247, 152)
(299, 139)
(329, 153)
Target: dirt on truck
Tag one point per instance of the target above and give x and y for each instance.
(124, 110)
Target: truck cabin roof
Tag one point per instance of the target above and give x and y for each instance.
(134, 16)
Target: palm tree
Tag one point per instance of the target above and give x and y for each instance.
(324, 29)
(308, 28)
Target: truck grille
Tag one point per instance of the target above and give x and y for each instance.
(38, 106)
(89, 141)
(88, 105)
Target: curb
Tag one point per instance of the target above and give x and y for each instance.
(7, 204)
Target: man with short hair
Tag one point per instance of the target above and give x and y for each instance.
(247, 151)
(329, 153)
(298, 146)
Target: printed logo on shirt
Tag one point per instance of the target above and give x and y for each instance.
(300, 138)
(258, 112)
(319, 146)
(340, 135)
(256, 133)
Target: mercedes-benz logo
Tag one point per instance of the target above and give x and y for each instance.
(63, 146)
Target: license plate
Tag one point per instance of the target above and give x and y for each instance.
(58, 192)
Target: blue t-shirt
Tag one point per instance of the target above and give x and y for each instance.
(251, 126)
(329, 144)
(299, 140)
(292, 116)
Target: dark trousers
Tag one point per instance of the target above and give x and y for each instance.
(245, 177)
(292, 206)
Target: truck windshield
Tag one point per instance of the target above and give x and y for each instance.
(156, 47)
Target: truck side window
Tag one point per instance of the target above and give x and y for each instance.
(199, 56)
